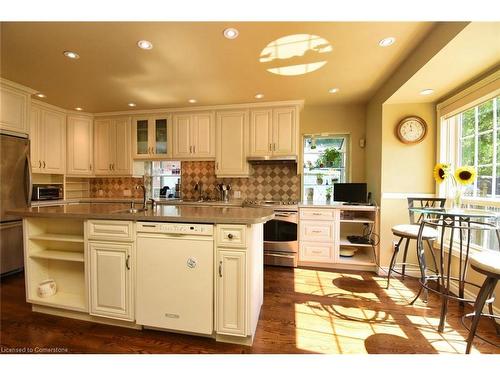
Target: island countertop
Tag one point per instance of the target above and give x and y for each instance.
(162, 213)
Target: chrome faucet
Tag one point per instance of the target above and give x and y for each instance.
(144, 194)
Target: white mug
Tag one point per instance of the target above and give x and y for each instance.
(47, 288)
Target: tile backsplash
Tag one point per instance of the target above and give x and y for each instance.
(115, 187)
(276, 181)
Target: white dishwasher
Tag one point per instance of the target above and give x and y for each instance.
(175, 283)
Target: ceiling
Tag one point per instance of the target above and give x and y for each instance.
(473, 51)
(194, 60)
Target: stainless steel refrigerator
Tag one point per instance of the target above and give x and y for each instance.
(15, 192)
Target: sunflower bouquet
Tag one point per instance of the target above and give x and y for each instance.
(461, 177)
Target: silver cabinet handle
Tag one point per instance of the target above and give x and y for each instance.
(274, 148)
(39, 164)
(29, 179)
(230, 236)
(44, 164)
(113, 166)
(220, 268)
(194, 149)
(152, 150)
(126, 262)
(216, 165)
(90, 166)
(109, 167)
(190, 149)
(270, 147)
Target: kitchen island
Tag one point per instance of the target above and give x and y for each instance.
(102, 260)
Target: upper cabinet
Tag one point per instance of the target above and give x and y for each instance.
(232, 145)
(112, 147)
(151, 137)
(48, 140)
(14, 108)
(274, 132)
(193, 136)
(80, 145)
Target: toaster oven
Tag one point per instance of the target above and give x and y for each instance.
(43, 192)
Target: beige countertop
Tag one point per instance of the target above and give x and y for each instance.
(162, 213)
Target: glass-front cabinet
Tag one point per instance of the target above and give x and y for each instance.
(152, 137)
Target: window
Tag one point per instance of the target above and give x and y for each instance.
(325, 163)
(478, 140)
(162, 178)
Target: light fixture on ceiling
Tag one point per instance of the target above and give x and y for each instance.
(71, 55)
(333, 90)
(40, 95)
(144, 44)
(78, 109)
(132, 104)
(427, 92)
(231, 33)
(192, 101)
(386, 42)
(259, 96)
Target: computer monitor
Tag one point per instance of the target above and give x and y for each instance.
(350, 192)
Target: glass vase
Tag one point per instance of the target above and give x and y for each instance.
(457, 197)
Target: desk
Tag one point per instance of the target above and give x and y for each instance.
(452, 221)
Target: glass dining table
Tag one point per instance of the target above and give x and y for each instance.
(455, 226)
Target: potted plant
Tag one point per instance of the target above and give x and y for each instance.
(319, 179)
(331, 157)
(328, 194)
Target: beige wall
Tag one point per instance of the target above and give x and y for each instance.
(342, 119)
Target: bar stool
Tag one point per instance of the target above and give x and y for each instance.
(488, 264)
(409, 232)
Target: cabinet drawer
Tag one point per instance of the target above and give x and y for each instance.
(231, 235)
(316, 252)
(317, 214)
(317, 231)
(110, 230)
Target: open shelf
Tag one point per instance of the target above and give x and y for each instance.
(345, 242)
(358, 220)
(71, 256)
(57, 237)
(70, 301)
(362, 257)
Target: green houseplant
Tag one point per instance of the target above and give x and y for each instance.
(328, 194)
(331, 157)
(319, 179)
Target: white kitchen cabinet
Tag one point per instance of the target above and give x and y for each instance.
(274, 132)
(193, 136)
(48, 140)
(152, 137)
(14, 109)
(80, 146)
(231, 292)
(112, 147)
(232, 144)
(111, 281)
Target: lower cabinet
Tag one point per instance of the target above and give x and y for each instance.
(231, 292)
(111, 280)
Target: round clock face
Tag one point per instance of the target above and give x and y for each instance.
(411, 130)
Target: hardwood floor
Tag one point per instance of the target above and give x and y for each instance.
(304, 311)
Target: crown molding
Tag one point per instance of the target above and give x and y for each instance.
(67, 112)
(18, 86)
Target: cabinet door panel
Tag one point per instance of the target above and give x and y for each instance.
(54, 142)
(203, 136)
(80, 145)
(231, 297)
(316, 252)
(36, 140)
(232, 136)
(260, 132)
(161, 144)
(110, 280)
(120, 147)
(14, 111)
(284, 131)
(102, 152)
(181, 135)
(141, 139)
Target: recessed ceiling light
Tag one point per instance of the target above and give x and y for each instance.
(71, 55)
(132, 104)
(192, 100)
(386, 42)
(427, 92)
(259, 96)
(333, 90)
(78, 109)
(144, 44)
(40, 95)
(231, 33)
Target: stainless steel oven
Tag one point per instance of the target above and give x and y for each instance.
(281, 244)
(47, 192)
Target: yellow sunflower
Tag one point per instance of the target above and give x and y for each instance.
(441, 172)
(465, 175)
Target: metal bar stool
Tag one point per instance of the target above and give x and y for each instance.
(488, 264)
(410, 232)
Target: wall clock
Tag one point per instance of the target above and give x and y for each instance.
(411, 130)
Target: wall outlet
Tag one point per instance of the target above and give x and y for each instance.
(127, 193)
(237, 194)
(100, 192)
